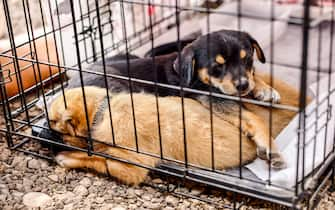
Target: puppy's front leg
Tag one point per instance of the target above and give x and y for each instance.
(70, 159)
(251, 126)
(265, 92)
(126, 173)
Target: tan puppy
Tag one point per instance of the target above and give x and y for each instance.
(71, 121)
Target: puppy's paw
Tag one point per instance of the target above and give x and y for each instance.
(64, 161)
(276, 160)
(267, 93)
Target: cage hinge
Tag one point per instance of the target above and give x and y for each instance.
(329, 112)
(91, 29)
(301, 130)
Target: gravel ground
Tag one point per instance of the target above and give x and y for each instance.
(27, 182)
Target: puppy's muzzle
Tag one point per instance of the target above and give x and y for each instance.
(242, 84)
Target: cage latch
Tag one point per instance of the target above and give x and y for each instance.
(5, 76)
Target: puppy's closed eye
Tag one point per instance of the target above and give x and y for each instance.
(68, 124)
(70, 127)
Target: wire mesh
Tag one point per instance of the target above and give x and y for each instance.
(86, 33)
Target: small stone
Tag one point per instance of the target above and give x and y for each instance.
(4, 155)
(156, 200)
(11, 186)
(132, 206)
(173, 201)
(197, 191)
(118, 208)
(150, 205)
(33, 177)
(158, 194)
(80, 190)
(3, 197)
(93, 189)
(4, 189)
(89, 174)
(61, 172)
(108, 206)
(168, 208)
(34, 164)
(18, 162)
(131, 193)
(150, 190)
(211, 208)
(186, 203)
(91, 196)
(86, 182)
(183, 190)
(118, 199)
(53, 177)
(19, 187)
(66, 198)
(182, 207)
(195, 201)
(17, 194)
(36, 199)
(97, 183)
(44, 164)
(99, 200)
(68, 207)
(139, 203)
(138, 192)
(59, 206)
(147, 196)
(157, 181)
(8, 207)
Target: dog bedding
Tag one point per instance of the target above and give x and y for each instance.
(317, 146)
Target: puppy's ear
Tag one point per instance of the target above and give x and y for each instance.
(185, 67)
(68, 123)
(257, 47)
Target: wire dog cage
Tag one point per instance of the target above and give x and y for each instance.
(76, 34)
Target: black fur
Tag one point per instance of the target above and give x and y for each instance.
(140, 68)
(168, 69)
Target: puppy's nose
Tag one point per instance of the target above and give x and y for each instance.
(242, 84)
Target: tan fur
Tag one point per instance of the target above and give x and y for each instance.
(198, 134)
(280, 117)
(243, 53)
(220, 59)
(225, 85)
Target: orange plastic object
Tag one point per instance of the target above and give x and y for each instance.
(28, 73)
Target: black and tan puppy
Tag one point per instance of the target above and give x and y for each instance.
(71, 122)
(222, 60)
